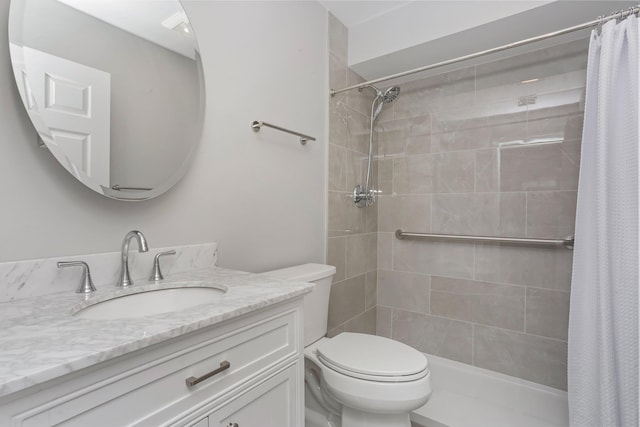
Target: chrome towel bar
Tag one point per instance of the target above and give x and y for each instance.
(567, 242)
(256, 125)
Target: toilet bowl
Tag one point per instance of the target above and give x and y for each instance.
(377, 381)
(353, 379)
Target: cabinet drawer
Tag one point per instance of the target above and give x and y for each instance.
(156, 391)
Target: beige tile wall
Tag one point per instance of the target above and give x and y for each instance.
(352, 239)
(485, 166)
(456, 153)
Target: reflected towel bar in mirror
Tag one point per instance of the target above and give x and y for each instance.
(122, 188)
(567, 242)
(256, 125)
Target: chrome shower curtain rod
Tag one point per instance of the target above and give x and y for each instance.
(617, 15)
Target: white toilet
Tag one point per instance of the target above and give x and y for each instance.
(354, 380)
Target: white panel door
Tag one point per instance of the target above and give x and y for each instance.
(24, 88)
(74, 101)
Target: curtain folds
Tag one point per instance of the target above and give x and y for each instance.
(603, 323)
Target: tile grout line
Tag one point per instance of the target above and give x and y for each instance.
(430, 292)
(517, 285)
(353, 318)
(526, 213)
(473, 344)
(475, 172)
(475, 85)
(475, 255)
(525, 311)
(345, 257)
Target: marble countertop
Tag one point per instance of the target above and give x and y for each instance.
(40, 339)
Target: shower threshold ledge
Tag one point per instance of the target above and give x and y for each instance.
(468, 396)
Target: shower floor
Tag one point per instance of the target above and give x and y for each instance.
(467, 396)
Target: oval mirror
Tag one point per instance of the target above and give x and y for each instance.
(114, 88)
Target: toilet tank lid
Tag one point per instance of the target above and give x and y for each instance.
(304, 272)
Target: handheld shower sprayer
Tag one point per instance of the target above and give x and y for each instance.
(366, 196)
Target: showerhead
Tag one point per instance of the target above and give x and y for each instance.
(387, 96)
(365, 196)
(390, 94)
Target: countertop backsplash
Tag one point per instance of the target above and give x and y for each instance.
(36, 277)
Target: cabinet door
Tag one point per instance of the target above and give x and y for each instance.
(272, 403)
(201, 423)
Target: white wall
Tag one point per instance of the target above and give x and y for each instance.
(260, 196)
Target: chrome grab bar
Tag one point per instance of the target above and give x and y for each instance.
(256, 125)
(566, 242)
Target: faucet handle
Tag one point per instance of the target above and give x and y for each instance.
(156, 274)
(86, 286)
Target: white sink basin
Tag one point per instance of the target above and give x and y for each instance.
(150, 302)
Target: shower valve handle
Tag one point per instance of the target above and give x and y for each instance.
(363, 198)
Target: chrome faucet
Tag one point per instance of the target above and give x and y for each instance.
(125, 279)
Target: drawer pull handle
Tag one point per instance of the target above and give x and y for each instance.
(191, 381)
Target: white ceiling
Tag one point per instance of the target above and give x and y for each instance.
(352, 12)
(142, 18)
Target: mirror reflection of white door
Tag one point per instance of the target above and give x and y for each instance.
(75, 102)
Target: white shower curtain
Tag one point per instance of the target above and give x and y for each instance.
(603, 324)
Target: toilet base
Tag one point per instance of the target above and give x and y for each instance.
(354, 418)
(330, 398)
(314, 418)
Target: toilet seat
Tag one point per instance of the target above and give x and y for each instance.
(372, 358)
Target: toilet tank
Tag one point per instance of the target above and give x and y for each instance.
(316, 303)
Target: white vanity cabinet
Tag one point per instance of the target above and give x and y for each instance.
(262, 385)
